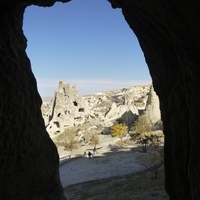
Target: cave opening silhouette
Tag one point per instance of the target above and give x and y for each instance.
(168, 33)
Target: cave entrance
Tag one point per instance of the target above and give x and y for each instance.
(85, 43)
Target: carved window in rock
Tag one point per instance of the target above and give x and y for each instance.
(59, 114)
(57, 124)
(67, 112)
(64, 91)
(75, 118)
(81, 110)
(75, 103)
(56, 132)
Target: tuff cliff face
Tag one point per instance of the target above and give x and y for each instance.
(153, 106)
(68, 109)
(28, 158)
(168, 32)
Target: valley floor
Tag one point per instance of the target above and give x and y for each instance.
(107, 165)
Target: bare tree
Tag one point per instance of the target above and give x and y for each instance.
(152, 161)
(70, 143)
(94, 139)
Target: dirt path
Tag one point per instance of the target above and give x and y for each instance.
(103, 165)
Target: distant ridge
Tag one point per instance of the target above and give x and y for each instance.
(97, 111)
(46, 99)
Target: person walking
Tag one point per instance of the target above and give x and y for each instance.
(94, 150)
(89, 154)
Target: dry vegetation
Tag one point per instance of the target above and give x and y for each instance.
(60, 140)
(142, 186)
(133, 187)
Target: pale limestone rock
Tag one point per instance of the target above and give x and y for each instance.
(116, 112)
(46, 109)
(128, 119)
(69, 109)
(153, 106)
(97, 111)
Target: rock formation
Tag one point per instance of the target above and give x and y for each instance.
(169, 35)
(68, 109)
(153, 106)
(29, 160)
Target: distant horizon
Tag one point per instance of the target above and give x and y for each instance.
(83, 94)
(48, 87)
(86, 43)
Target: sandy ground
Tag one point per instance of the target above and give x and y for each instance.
(105, 163)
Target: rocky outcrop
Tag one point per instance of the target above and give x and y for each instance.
(153, 106)
(110, 106)
(128, 118)
(68, 109)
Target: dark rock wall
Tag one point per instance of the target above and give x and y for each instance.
(168, 32)
(28, 158)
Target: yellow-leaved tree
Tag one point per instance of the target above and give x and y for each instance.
(118, 130)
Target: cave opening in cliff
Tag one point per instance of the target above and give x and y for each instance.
(89, 45)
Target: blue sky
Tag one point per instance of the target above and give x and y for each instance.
(85, 43)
